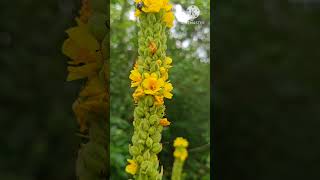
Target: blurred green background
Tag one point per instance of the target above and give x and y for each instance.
(37, 126)
(189, 110)
(266, 73)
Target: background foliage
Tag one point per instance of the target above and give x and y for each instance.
(188, 110)
(37, 126)
(267, 90)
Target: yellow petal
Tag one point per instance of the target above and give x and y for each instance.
(81, 71)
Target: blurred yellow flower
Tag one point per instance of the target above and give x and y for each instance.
(167, 88)
(168, 61)
(181, 154)
(180, 142)
(132, 167)
(138, 93)
(168, 19)
(136, 77)
(164, 73)
(150, 6)
(84, 51)
(137, 13)
(158, 100)
(164, 122)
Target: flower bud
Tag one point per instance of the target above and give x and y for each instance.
(156, 148)
(146, 155)
(139, 159)
(156, 137)
(135, 139)
(143, 135)
(134, 151)
(149, 142)
(152, 130)
(141, 147)
(153, 119)
(149, 101)
(145, 126)
(139, 111)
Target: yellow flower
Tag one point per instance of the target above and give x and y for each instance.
(83, 105)
(167, 88)
(138, 93)
(132, 167)
(164, 73)
(166, 5)
(84, 50)
(168, 61)
(94, 87)
(181, 153)
(152, 83)
(168, 19)
(136, 78)
(152, 5)
(158, 100)
(164, 122)
(137, 13)
(180, 142)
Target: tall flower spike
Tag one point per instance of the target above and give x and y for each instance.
(87, 49)
(180, 155)
(150, 79)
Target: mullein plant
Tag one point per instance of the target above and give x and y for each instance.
(180, 155)
(87, 48)
(150, 79)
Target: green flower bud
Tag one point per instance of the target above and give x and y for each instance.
(149, 101)
(152, 172)
(145, 126)
(147, 114)
(139, 159)
(135, 139)
(153, 119)
(159, 128)
(149, 142)
(156, 148)
(139, 111)
(146, 155)
(144, 166)
(152, 130)
(156, 137)
(134, 150)
(143, 135)
(140, 141)
(136, 123)
(141, 147)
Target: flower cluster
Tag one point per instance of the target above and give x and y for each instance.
(180, 153)
(155, 83)
(87, 48)
(155, 6)
(87, 62)
(150, 79)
